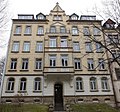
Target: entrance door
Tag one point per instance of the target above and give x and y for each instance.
(58, 96)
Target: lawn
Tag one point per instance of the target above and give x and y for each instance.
(93, 108)
(23, 108)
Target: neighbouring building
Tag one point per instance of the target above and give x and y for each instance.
(112, 37)
(52, 60)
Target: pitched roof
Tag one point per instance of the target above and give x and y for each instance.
(57, 8)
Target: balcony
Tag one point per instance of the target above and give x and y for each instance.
(55, 32)
(59, 70)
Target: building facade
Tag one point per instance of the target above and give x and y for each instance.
(112, 39)
(52, 60)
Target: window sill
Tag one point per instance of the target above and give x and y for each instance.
(91, 70)
(106, 90)
(58, 20)
(39, 34)
(22, 91)
(77, 51)
(75, 34)
(25, 51)
(96, 35)
(38, 70)
(12, 70)
(102, 69)
(89, 51)
(87, 35)
(78, 70)
(93, 90)
(99, 51)
(37, 91)
(9, 91)
(27, 34)
(14, 51)
(79, 90)
(17, 34)
(24, 70)
(38, 51)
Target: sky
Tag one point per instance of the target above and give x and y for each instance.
(80, 7)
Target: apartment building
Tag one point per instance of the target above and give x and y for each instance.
(112, 39)
(52, 60)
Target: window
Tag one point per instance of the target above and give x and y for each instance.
(88, 46)
(113, 39)
(86, 31)
(52, 61)
(63, 42)
(79, 84)
(37, 84)
(74, 17)
(23, 84)
(62, 29)
(18, 30)
(57, 17)
(104, 82)
(101, 64)
(52, 42)
(76, 46)
(39, 46)
(40, 30)
(90, 64)
(41, 17)
(52, 29)
(10, 85)
(13, 64)
(117, 70)
(115, 54)
(96, 31)
(28, 30)
(24, 64)
(38, 63)
(26, 46)
(74, 30)
(64, 60)
(77, 63)
(98, 47)
(93, 85)
(15, 47)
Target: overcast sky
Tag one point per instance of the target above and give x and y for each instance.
(35, 6)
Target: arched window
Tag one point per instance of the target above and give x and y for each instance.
(93, 84)
(10, 85)
(37, 84)
(23, 84)
(104, 82)
(79, 84)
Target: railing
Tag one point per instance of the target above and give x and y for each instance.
(57, 31)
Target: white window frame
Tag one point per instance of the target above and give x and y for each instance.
(13, 64)
(52, 42)
(88, 46)
(25, 64)
(10, 84)
(64, 60)
(96, 31)
(98, 47)
(18, 30)
(39, 46)
(76, 46)
(101, 64)
(15, 46)
(93, 84)
(26, 46)
(38, 63)
(52, 29)
(40, 30)
(104, 83)
(23, 84)
(90, 64)
(37, 84)
(28, 30)
(52, 60)
(74, 30)
(86, 31)
(63, 42)
(77, 63)
(79, 84)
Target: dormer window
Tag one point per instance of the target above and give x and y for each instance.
(109, 25)
(40, 17)
(74, 17)
(57, 17)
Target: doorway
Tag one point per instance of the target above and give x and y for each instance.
(58, 96)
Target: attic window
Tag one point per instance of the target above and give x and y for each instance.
(41, 17)
(109, 25)
(25, 17)
(74, 17)
(57, 17)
